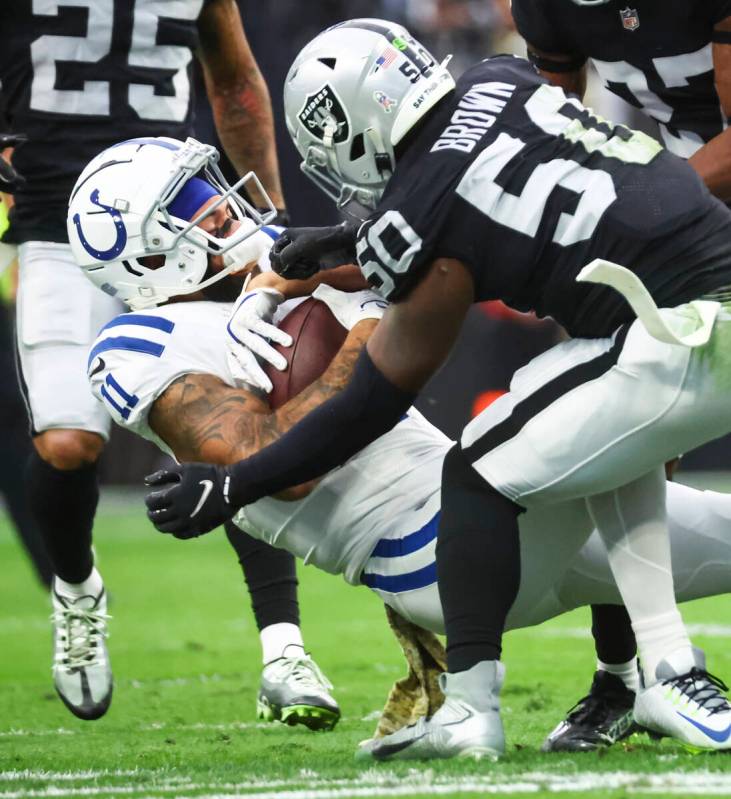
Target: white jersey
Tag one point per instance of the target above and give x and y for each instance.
(390, 488)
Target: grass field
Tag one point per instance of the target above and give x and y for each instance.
(186, 661)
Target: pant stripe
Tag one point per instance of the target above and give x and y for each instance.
(545, 395)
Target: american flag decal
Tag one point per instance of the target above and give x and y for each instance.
(387, 57)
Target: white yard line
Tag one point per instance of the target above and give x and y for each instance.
(384, 783)
(707, 630)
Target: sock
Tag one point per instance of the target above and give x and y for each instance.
(614, 639)
(281, 640)
(64, 504)
(271, 577)
(627, 672)
(659, 637)
(92, 586)
(632, 522)
(478, 563)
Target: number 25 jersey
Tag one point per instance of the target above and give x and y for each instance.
(525, 186)
(77, 76)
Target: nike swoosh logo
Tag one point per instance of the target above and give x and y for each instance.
(720, 736)
(98, 368)
(388, 750)
(207, 488)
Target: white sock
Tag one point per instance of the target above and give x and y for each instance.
(627, 672)
(659, 637)
(92, 586)
(632, 523)
(279, 640)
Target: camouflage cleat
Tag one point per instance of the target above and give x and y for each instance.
(293, 691)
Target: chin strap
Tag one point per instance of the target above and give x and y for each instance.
(248, 250)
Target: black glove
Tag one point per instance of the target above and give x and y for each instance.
(191, 499)
(298, 252)
(10, 180)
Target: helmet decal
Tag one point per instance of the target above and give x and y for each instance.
(386, 102)
(323, 115)
(121, 240)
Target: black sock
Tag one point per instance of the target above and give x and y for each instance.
(614, 638)
(478, 563)
(64, 504)
(271, 577)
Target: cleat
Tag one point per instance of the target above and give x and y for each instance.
(687, 704)
(458, 729)
(82, 673)
(293, 691)
(603, 717)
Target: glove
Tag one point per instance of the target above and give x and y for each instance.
(296, 254)
(10, 179)
(249, 332)
(351, 307)
(189, 499)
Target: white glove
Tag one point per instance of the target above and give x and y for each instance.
(249, 333)
(351, 307)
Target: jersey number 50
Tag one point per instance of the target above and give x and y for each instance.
(93, 99)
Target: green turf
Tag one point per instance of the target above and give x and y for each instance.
(186, 661)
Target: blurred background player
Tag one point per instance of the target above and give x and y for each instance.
(13, 429)
(77, 77)
(672, 62)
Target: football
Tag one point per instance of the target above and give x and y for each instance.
(316, 338)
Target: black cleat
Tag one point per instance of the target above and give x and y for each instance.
(603, 717)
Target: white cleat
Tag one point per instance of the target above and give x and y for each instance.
(468, 724)
(293, 690)
(82, 673)
(686, 703)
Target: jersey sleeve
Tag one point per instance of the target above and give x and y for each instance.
(391, 254)
(130, 365)
(720, 10)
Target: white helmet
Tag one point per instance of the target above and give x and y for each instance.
(136, 199)
(351, 96)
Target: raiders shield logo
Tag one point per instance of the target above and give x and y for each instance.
(630, 19)
(323, 115)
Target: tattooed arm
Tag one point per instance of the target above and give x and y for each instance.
(239, 97)
(202, 419)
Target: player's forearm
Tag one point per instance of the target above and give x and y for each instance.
(713, 163)
(273, 426)
(245, 125)
(366, 409)
(242, 108)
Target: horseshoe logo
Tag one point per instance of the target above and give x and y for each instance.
(119, 244)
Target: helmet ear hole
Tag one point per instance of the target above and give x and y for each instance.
(328, 62)
(357, 148)
(152, 261)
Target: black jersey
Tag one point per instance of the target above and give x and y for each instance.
(526, 187)
(80, 75)
(655, 54)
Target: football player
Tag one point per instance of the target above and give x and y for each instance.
(502, 187)
(183, 233)
(672, 60)
(76, 77)
(177, 375)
